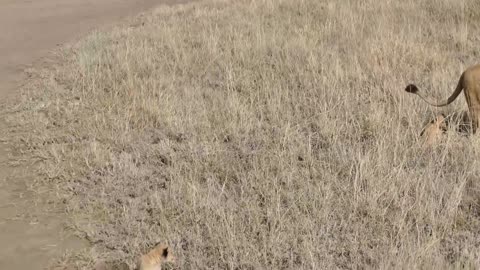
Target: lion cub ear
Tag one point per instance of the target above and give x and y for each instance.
(165, 253)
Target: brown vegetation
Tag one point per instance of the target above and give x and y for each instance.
(264, 135)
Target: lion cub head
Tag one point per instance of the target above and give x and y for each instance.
(435, 129)
(155, 258)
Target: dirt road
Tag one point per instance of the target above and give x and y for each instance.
(30, 235)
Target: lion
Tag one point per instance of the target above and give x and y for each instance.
(434, 130)
(156, 257)
(456, 121)
(469, 82)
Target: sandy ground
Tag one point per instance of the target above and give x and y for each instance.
(31, 235)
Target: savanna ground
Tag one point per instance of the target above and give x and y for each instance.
(263, 135)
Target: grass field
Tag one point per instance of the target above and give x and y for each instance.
(264, 135)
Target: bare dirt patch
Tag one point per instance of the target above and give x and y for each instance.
(265, 135)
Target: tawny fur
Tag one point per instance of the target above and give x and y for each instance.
(456, 121)
(434, 130)
(469, 82)
(154, 259)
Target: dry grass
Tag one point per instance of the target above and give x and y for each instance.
(266, 135)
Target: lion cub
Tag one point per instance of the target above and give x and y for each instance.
(154, 259)
(434, 129)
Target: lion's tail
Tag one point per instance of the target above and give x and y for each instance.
(414, 90)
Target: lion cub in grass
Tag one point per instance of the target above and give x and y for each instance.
(155, 258)
(436, 128)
